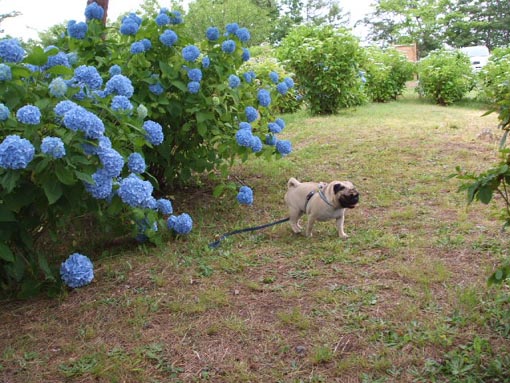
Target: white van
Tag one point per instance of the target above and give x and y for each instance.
(479, 55)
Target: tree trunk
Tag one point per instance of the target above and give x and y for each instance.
(102, 3)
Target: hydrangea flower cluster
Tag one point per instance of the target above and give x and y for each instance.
(120, 85)
(245, 137)
(206, 62)
(77, 30)
(121, 104)
(11, 51)
(136, 163)
(264, 97)
(5, 72)
(154, 132)
(168, 38)
(102, 186)
(195, 75)
(231, 29)
(29, 114)
(283, 147)
(156, 88)
(190, 53)
(77, 270)
(135, 192)
(212, 33)
(112, 161)
(87, 76)
(16, 152)
(130, 24)
(165, 206)
(162, 19)
(228, 46)
(246, 54)
(80, 119)
(249, 76)
(233, 81)
(60, 58)
(53, 146)
(94, 11)
(58, 87)
(114, 69)
(181, 224)
(4, 112)
(243, 34)
(251, 113)
(274, 77)
(245, 195)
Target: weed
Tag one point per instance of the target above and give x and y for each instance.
(294, 318)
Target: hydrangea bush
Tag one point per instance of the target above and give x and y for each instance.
(103, 121)
(327, 62)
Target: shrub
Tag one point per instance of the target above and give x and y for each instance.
(387, 72)
(494, 81)
(445, 76)
(327, 62)
(95, 125)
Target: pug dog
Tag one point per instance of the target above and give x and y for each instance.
(321, 201)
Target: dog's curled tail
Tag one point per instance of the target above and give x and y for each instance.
(292, 183)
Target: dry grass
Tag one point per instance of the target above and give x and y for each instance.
(407, 287)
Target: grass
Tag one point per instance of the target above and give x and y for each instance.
(404, 299)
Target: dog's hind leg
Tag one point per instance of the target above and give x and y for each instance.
(294, 216)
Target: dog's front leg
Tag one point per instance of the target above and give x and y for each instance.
(309, 225)
(340, 226)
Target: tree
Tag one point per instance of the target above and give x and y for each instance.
(408, 21)
(4, 16)
(478, 22)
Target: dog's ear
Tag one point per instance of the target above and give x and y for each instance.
(338, 187)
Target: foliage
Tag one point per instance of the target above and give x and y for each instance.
(477, 22)
(493, 77)
(387, 72)
(327, 62)
(445, 76)
(148, 96)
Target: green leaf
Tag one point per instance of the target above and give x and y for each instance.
(60, 70)
(484, 194)
(37, 57)
(6, 253)
(53, 190)
(180, 85)
(6, 215)
(84, 177)
(65, 175)
(9, 180)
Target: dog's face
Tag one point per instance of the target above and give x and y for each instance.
(346, 194)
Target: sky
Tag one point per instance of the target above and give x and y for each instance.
(39, 15)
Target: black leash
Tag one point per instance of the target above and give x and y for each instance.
(217, 243)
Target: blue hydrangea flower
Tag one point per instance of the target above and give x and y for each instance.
(280, 122)
(103, 142)
(77, 30)
(77, 270)
(256, 144)
(87, 76)
(244, 138)
(134, 191)
(270, 140)
(284, 147)
(168, 38)
(129, 27)
(120, 85)
(29, 114)
(4, 112)
(94, 11)
(246, 54)
(147, 44)
(137, 47)
(245, 195)
(264, 97)
(212, 33)
(232, 28)
(5, 72)
(181, 224)
(136, 163)
(16, 152)
(243, 34)
(72, 58)
(102, 186)
(245, 125)
(11, 51)
(176, 18)
(58, 59)
(193, 87)
(157, 88)
(234, 81)
(121, 104)
(162, 19)
(251, 113)
(282, 88)
(249, 76)
(273, 76)
(274, 127)
(190, 53)
(154, 132)
(228, 46)
(53, 146)
(79, 118)
(195, 74)
(144, 225)
(164, 206)
(63, 107)
(112, 161)
(206, 61)
(132, 17)
(289, 81)
(58, 87)
(115, 69)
